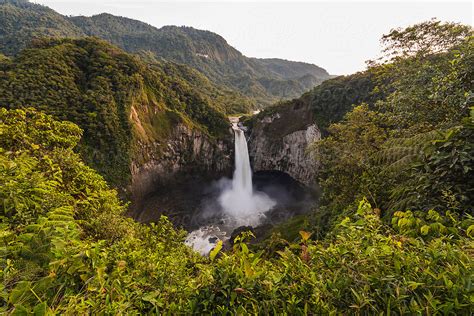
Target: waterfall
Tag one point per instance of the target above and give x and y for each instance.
(240, 202)
(242, 180)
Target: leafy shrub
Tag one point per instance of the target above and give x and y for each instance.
(364, 267)
(411, 147)
(67, 246)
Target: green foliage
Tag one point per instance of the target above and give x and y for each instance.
(345, 156)
(226, 100)
(330, 101)
(108, 93)
(424, 38)
(432, 224)
(67, 246)
(263, 80)
(429, 90)
(411, 147)
(289, 230)
(363, 268)
(39, 165)
(23, 22)
(69, 249)
(52, 78)
(442, 177)
(335, 97)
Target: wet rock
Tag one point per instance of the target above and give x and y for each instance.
(213, 240)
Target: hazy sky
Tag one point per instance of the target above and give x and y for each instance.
(338, 35)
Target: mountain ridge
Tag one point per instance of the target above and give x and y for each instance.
(266, 80)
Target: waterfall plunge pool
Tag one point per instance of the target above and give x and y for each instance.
(239, 203)
(212, 210)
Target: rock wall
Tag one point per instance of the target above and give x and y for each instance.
(187, 153)
(279, 138)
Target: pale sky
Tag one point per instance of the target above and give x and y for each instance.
(337, 35)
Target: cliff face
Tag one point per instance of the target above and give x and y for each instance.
(186, 154)
(280, 134)
(279, 139)
(143, 125)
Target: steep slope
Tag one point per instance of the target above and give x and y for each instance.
(226, 100)
(335, 97)
(291, 69)
(304, 74)
(263, 80)
(279, 139)
(203, 50)
(22, 21)
(143, 125)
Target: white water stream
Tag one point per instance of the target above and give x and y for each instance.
(240, 204)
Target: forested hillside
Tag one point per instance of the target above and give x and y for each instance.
(412, 148)
(332, 99)
(263, 80)
(22, 21)
(95, 85)
(267, 80)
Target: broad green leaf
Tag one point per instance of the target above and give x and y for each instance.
(425, 229)
(470, 231)
(40, 309)
(215, 250)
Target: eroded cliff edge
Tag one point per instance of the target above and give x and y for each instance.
(186, 153)
(279, 138)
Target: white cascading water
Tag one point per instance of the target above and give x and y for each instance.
(240, 204)
(242, 180)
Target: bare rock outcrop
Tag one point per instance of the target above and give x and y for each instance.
(185, 153)
(279, 140)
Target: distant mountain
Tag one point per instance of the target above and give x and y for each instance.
(22, 21)
(292, 70)
(265, 80)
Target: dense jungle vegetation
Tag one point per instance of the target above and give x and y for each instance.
(68, 248)
(394, 233)
(97, 86)
(408, 144)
